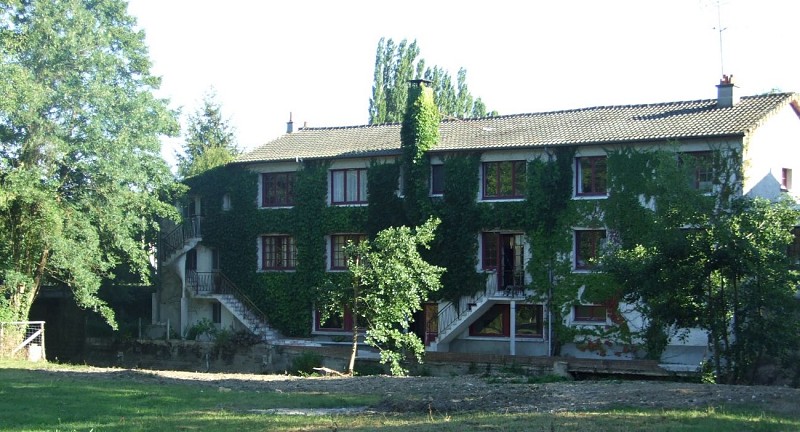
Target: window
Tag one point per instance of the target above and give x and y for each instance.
(334, 322)
(492, 323)
(226, 202)
(529, 321)
(338, 242)
(699, 169)
(587, 247)
(349, 186)
(591, 176)
(497, 321)
(786, 179)
(216, 313)
(503, 179)
(590, 313)
(278, 252)
(489, 242)
(337, 322)
(277, 189)
(437, 179)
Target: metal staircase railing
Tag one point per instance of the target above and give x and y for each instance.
(453, 312)
(208, 283)
(177, 238)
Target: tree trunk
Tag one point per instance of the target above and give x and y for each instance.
(714, 328)
(354, 313)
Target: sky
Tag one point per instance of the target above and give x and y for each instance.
(315, 59)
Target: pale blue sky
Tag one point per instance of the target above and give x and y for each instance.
(315, 58)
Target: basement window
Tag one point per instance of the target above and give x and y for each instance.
(496, 322)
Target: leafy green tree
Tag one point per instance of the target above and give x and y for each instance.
(396, 65)
(210, 140)
(723, 258)
(388, 282)
(80, 165)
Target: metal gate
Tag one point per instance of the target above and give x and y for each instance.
(22, 340)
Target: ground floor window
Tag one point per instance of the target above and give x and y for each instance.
(590, 313)
(497, 321)
(336, 322)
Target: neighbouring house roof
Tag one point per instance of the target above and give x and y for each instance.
(596, 125)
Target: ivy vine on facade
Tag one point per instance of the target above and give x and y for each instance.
(529, 204)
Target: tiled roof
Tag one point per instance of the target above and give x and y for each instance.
(596, 125)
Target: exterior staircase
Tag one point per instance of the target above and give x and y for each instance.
(453, 317)
(180, 240)
(216, 285)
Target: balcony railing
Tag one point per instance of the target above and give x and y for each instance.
(208, 283)
(176, 239)
(454, 311)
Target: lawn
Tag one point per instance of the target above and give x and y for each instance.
(33, 400)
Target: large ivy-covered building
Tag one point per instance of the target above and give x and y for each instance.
(522, 199)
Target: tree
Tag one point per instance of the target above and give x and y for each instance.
(210, 140)
(396, 65)
(723, 257)
(388, 282)
(80, 167)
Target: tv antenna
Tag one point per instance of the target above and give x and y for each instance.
(720, 29)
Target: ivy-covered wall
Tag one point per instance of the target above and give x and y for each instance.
(647, 192)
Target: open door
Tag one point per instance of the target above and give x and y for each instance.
(511, 263)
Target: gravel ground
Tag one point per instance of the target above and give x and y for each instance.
(475, 393)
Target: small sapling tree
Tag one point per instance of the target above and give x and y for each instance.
(388, 282)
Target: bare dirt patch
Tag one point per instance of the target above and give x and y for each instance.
(475, 393)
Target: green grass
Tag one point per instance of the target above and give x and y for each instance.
(34, 400)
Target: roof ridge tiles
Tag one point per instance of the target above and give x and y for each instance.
(315, 128)
(578, 126)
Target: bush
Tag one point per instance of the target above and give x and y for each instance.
(305, 363)
(204, 326)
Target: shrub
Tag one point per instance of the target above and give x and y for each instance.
(305, 363)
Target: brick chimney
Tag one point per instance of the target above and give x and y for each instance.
(725, 94)
(290, 124)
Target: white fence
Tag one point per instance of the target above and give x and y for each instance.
(22, 339)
